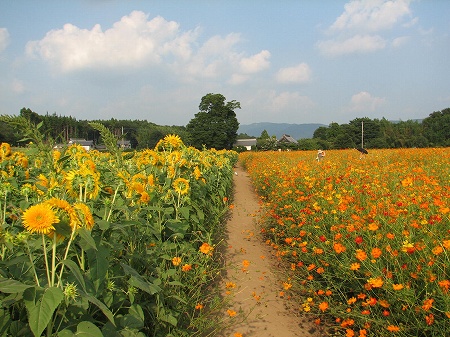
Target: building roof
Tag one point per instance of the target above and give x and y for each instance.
(287, 139)
(245, 142)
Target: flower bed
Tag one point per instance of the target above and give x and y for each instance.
(367, 239)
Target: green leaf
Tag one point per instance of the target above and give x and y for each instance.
(40, 313)
(98, 265)
(88, 240)
(100, 305)
(103, 224)
(76, 271)
(140, 283)
(88, 329)
(10, 286)
(184, 212)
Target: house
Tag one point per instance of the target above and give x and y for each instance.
(247, 143)
(286, 139)
(124, 144)
(86, 144)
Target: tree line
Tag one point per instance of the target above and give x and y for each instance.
(433, 131)
(216, 126)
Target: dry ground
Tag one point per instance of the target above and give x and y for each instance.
(251, 266)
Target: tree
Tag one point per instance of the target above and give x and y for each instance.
(215, 125)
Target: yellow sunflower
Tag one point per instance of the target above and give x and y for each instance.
(87, 215)
(181, 185)
(40, 218)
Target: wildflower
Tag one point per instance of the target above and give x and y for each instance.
(237, 334)
(339, 248)
(287, 285)
(176, 261)
(358, 240)
(186, 267)
(437, 250)
(355, 266)
(376, 252)
(199, 306)
(351, 300)
(347, 322)
(427, 304)
(229, 285)
(373, 226)
(246, 263)
(231, 313)
(361, 255)
(393, 328)
(205, 248)
(349, 333)
(323, 306)
(376, 282)
(429, 319)
(40, 219)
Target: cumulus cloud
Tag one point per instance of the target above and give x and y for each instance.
(4, 39)
(354, 44)
(400, 41)
(364, 102)
(359, 28)
(137, 42)
(371, 15)
(255, 63)
(298, 74)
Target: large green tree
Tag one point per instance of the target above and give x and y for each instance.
(215, 125)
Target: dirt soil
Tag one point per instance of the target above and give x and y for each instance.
(256, 274)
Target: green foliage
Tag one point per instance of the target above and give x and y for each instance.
(108, 266)
(215, 125)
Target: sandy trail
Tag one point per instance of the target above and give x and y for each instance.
(252, 268)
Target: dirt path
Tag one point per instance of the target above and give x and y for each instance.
(251, 268)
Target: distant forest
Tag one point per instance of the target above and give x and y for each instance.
(433, 131)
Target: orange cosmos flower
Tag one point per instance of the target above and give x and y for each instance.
(339, 248)
(237, 334)
(199, 306)
(376, 282)
(427, 304)
(355, 266)
(437, 250)
(323, 306)
(231, 313)
(397, 286)
(393, 328)
(176, 261)
(361, 255)
(229, 285)
(186, 267)
(373, 226)
(376, 253)
(205, 248)
(287, 285)
(429, 319)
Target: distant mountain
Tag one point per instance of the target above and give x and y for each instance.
(296, 131)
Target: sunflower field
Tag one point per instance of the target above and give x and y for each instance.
(365, 239)
(110, 244)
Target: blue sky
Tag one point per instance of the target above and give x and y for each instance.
(284, 61)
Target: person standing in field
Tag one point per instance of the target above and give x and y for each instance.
(320, 155)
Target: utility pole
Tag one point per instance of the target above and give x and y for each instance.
(362, 134)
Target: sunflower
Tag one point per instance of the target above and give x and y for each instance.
(181, 185)
(87, 215)
(40, 218)
(67, 208)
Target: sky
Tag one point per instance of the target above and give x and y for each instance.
(285, 61)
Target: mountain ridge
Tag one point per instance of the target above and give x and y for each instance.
(297, 131)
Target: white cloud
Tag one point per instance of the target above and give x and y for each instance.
(371, 15)
(365, 102)
(400, 41)
(355, 44)
(4, 39)
(131, 42)
(255, 63)
(297, 74)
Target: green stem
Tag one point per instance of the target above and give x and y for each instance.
(72, 235)
(32, 266)
(53, 259)
(44, 247)
(113, 201)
